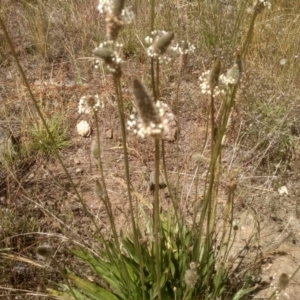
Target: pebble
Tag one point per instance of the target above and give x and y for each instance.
(78, 171)
(31, 176)
(109, 134)
(76, 161)
(84, 128)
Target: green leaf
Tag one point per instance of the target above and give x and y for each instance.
(172, 268)
(59, 294)
(243, 292)
(90, 289)
(67, 295)
(130, 249)
(113, 281)
(154, 291)
(220, 280)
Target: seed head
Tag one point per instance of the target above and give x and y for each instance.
(44, 251)
(113, 26)
(145, 104)
(117, 7)
(89, 104)
(105, 6)
(233, 75)
(105, 53)
(214, 74)
(259, 5)
(153, 118)
(193, 266)
(116, 16)
(184, 47)
(239, 62)
(283, 281)
(110, 57)
(206, 87)
(235, 227)
(161, 44)
(191, 277)
(160, 41)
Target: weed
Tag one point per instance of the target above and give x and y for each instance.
(38, 140)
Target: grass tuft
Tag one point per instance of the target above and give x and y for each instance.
(37, 138)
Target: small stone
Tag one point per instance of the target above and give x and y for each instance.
(120, 158)
(283, 190)
(84, 129)
(273, 217)
(282, 61)
(204, 174)
(151, 183)
(109, 134)
(78, 171)
(76, 161)
(45, 175)
(31, 176)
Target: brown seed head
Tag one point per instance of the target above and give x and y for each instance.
(150, 121)
(145, 104)
(44, 251)
(162, 43)
(239, 62)
(214, 74)
(283, 281)
(113, 26)
(191, 277)
(117, 7)
(105, 54)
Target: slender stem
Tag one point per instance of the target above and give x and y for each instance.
(187, 293)
(152, 18)
(249, 35)
(157, 81)
(175, 205)
(175, 199)
(178, 125)
(105, 197)
(124, 140)
(212, 117)
(152, 13)
(228, 210)
(153, 79)
(231, 198)
(118, 89)
(156, 219)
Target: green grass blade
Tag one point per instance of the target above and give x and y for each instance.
(242, 293)
(90, 289)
